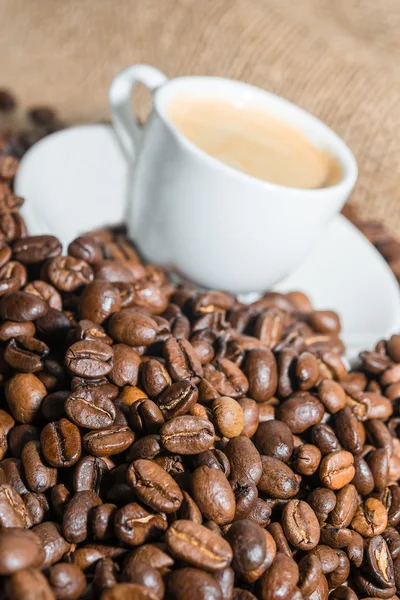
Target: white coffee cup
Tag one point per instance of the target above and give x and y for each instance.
(216, 225)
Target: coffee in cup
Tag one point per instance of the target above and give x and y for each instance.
(254, 141)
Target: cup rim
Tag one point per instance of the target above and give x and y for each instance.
(335, 144)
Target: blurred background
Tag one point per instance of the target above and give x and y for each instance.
(339, 59)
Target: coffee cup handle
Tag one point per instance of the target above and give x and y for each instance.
(126, 126)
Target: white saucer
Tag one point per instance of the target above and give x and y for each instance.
(74, 181)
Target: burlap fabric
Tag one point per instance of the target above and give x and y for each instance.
(338, 59)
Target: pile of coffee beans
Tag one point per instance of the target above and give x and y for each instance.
(161, 442)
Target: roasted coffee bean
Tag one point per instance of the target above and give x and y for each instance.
(325, 438)
(108, 442)
(380, 435)
(38, 475)
(13, 512)
(367, 586)
(145, 417)
(300, 525)
(306, 460)
(380, 562)
(154, 487)
(277, 479)
(135, 525)
(245, 498)
(54, 545)
(143, 574)
(250, 415)
(193, 584)
(335, 536)
(189, 510)
(36, 249)
(105, 575)
(187, 435)
(200, 547)
(227, 378)
(274, 438)
(181, 360)
(89, 474)
(98, 301)
(262, 373)
(54, 326)
(67, 581)
(21, 306)
(248, 544)
(61, 443)
(348, 432)
(52, 407)
(244, 460)
(19, 549)
(14, 329)
(177, 399)
(91, 411)
(128, 591)
(26, 354)
(332, 395)
(363, 479)
(307, 370)
(327, 556)
(29, 584)
(310, 572)
(280, 580)
(226, 581)
(229, 417)
(213, 495)
(36, 506)
(355, 549)
(152, 554)
(214, 459)
(336, 469)
(129, 326)
(86, 249)
(77, 514)
(343, 592)
(91, 360)
(345, 508)
(341, 573)
(378, 462)
(24, 393)
(60, 496)
(67, 273)
(13, 471)
(370, 518)
(103, 521)
(301, 411)
(322, 501)
(46, 292)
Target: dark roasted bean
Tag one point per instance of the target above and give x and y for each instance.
(187, 435)
(198, 546)
(19, 549)
(244, 460)
(135, 525)
(108, 442)
(154, 486)
(91, 360)
(277, 479)
(177, 399)
(76, 516)
(61, 443)
(21, 306)
(213, 495)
